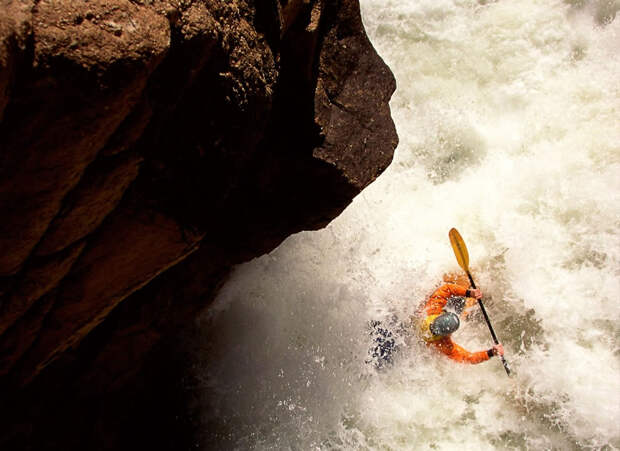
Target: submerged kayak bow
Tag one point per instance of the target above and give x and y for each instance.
(462, 257)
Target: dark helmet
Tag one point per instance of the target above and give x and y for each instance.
(445, 324)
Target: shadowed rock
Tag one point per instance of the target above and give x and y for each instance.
(147, 147)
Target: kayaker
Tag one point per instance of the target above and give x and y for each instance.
(440, 318)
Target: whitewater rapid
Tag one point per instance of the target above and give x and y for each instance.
(508, 114)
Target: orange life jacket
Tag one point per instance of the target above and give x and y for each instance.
(434, 306)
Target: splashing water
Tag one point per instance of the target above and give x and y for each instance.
(508, 114)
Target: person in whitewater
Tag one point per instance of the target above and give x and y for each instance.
(439, 318)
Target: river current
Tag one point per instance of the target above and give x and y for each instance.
(508, 115)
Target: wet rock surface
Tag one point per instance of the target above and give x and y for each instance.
(147, 147)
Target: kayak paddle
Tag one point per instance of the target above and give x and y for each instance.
(462, 257)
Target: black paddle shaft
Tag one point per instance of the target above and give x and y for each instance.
(488, 321)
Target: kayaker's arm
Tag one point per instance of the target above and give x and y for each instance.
(460, 354)
(438, 299)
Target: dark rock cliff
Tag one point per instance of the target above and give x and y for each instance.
(146, 147)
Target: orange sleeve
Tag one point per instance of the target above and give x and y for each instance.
(455, 352)
(438, 299)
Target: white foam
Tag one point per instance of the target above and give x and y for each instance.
(508, 116)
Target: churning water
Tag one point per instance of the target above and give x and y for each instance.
(508, 114)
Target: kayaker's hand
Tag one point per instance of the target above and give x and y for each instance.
(475, 293)
(498, 349)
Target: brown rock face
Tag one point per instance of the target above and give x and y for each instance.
(146, 147)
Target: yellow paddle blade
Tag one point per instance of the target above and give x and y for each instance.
(460, 250)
